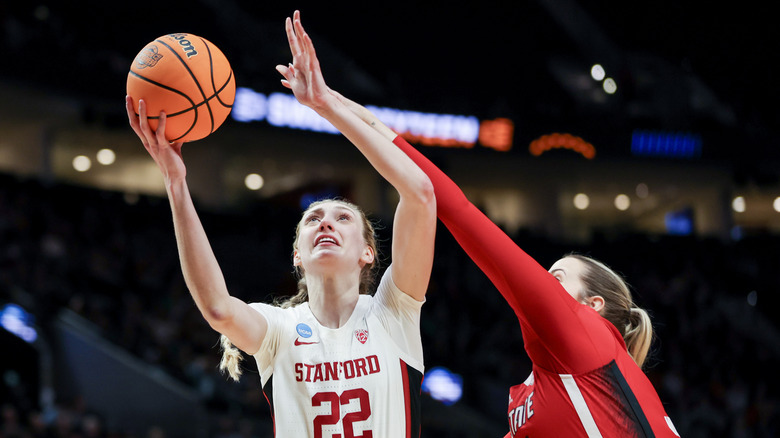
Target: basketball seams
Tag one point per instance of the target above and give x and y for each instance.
(213, 79)
(219, 92)
(211, 76)
(165, 87)
(194, 78)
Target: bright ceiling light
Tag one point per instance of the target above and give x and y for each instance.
(82, 163)
(254, 181)
(106, 157)
(597, 72)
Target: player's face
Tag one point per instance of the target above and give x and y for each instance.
(331, 236)
(569, 272)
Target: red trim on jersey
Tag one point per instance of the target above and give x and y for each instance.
(407, 400)
(269, 386)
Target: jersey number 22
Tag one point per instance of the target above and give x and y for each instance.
(361, 395)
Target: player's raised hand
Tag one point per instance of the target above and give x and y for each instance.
(167, 155)
(303, 76)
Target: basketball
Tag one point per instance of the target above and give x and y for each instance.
(188, 78)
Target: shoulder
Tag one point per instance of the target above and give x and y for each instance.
(388, 292)
(276, 314)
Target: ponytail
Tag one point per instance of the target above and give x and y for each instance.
(619, 308)
(638, 335)
(231, 358)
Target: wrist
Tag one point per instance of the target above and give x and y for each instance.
(327, 105)
(175, 184)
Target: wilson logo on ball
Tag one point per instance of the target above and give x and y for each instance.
(189, 49)
(148, 57)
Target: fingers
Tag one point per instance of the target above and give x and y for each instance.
(161, 140)
(161, 130)
(304, 40)
(304, 55)
(304, 72)
(143, 121)
(133, 117)
(300, 43)
(298, 25)
(314, 63)
(292, 38)
(137, 121)
(287, 73)
(152, 140)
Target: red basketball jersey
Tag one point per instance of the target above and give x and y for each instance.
(583, 382)
(614, 400)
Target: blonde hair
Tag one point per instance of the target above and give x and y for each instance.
(631, 321)
(232, 356)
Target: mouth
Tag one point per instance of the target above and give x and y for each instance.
(325, 240)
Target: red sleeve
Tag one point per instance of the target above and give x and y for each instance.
(568, 332)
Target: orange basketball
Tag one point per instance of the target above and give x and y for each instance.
(189, 78)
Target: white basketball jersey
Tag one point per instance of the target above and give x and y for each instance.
(360, 380)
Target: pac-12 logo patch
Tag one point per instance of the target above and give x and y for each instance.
(303, 330)
(361, 335)
(149, 57)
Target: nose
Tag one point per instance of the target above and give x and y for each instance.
(325, 225)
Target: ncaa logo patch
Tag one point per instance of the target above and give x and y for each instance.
(303, 330)
(361, 335)
(149, 57)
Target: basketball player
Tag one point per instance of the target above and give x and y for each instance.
(586, 338)
(334, 361)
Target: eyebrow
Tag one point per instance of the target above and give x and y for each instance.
(319, 210)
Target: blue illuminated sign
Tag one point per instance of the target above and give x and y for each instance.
(283, 110)
(665, 144)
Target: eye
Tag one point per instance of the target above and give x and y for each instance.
(345, 217)
(311, 219)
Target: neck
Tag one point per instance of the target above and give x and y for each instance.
(332, 299)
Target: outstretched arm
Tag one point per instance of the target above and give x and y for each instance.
(415, 216)
(230, 316)
(544, 309)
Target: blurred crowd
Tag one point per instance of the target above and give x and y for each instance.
(113, 260)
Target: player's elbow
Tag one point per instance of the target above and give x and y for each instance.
(218, 315)
(424, 194)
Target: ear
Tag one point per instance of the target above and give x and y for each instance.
(368, 256)
(296, 258)
(596, 303)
